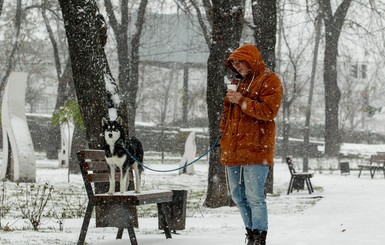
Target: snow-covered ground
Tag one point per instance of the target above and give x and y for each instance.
(342, 210)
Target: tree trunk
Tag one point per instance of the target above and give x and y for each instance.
(306, 139)
(265, 31)
(227, 20)
(1, 6)
(333, 26)
(286, 127)
(134, 66)
(89, 64)
(185, 97)
(52, 39)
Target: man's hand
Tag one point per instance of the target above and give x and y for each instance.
(233, 96)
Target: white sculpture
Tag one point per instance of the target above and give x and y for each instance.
(20, 165)
(66, 131)
(190, 150)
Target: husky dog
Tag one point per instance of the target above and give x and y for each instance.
(117, 150)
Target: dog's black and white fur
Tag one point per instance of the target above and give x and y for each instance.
(116, 149)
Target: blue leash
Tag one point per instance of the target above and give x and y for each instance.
(175, 169)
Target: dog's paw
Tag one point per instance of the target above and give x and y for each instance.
(110, 192)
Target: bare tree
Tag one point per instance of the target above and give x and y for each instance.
(163, 100)
(333, 26)
(306, 139)
(64, 81)
(189, 6)
(128, 57)
(293, 85)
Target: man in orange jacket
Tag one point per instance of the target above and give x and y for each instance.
(248, 136)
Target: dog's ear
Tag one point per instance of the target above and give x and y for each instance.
(104, 121)
(119, 120)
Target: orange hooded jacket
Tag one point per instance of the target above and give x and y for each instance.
(248, 128)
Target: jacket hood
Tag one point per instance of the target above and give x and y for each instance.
(251, 55)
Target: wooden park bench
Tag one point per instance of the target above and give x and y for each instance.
(375, 162)
(117, 210)
(298, 179)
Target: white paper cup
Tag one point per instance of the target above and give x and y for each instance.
(232, 87)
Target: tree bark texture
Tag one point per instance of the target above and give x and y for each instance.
(227, 19)
(89, 64)
(265, 31)
(333, 25)
(265, 22)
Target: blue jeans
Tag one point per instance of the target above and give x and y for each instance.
(247, 188)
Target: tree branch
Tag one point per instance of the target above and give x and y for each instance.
(111, 16)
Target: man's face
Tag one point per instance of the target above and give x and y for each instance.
(241, 66)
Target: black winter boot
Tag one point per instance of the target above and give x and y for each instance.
(251, 235)
(261, 238)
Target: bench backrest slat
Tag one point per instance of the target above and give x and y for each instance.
(377, 159)
(91, 154)
(101, 177)
(96, 166)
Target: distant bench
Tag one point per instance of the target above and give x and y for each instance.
(298, 179)
(375, 162)
(116, 210)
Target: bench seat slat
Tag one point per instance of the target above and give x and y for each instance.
(132, 198)
(95, 155)
(310, 175)
(370, 165)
